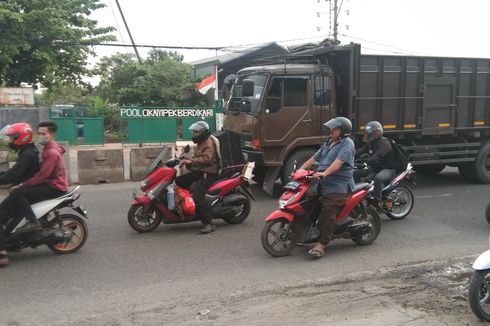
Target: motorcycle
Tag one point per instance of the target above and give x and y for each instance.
(296, 220)
(164, 202)
(63, 233)
(479, 290)
(397, 200)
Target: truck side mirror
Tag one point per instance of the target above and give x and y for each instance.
(248, 86)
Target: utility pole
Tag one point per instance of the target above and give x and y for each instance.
(129, 32)
(335, 23)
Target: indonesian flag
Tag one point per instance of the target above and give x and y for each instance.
(206, 84)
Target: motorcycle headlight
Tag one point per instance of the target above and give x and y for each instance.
(284, 202)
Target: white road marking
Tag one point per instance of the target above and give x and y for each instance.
(433, 196)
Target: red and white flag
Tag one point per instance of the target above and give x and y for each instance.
(206, 84)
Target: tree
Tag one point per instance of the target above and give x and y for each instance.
(161, 79)
(47, 41)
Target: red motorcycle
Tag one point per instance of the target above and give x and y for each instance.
(296, 220)
(164, 202)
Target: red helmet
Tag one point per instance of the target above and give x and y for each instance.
(21, 133)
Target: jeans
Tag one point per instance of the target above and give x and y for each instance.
(200, 183)
(19, 203)
(331, 206)
(379, 178)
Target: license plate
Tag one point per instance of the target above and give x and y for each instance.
(292, 185)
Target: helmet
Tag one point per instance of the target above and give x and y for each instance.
(200, 131)
(373, 131)
(340, 122)
(20, 134)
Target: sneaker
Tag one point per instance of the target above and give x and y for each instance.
(208, 228)
(30, 227)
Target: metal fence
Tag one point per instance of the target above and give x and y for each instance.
(137, 124)
(78, 125)
(162, 124)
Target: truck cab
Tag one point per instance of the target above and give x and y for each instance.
(279, 108)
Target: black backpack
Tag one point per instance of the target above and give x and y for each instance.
(400, 155)
(230, 149)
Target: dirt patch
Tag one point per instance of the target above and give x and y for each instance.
(431, 293)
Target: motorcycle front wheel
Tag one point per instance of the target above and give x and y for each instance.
(278, 237)
(403, 202)
(74, 224)
(143, 221)
(479, 294)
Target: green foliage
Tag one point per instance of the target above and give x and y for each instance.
(77, 95)
(47, 41)
(161, 79)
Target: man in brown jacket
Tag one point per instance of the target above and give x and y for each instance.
(204, 167)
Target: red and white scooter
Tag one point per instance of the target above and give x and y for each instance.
(296, 220)
(164, 202)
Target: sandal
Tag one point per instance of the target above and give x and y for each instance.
(4, 260)
(315, 253)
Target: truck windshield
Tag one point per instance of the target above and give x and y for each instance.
(250, 103)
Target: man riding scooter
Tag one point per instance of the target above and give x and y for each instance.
(19, 139)
(49, 183)
(336, 161)
(381, 165)
(203, 167)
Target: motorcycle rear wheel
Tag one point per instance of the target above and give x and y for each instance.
(401, 193)
(74, 224)
(141, 222)
(372, 217)
(479, 294)
(278, 232)
(242, 216)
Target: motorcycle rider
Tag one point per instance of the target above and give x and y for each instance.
(380, 158)
(336, 162)
(49, 183)
(19, 139)
(203, 166)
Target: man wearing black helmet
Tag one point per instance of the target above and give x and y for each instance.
(203, 166)
(335, 165)
(380, 158)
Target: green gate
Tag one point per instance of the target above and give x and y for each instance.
(78, 125)
(162, 124)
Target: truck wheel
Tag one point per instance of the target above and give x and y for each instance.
(300, 156)
(431, 169)
(482, 163)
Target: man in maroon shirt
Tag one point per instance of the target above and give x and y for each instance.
(49, 183)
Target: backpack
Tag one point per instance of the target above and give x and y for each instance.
(230, 149)
(400, 155)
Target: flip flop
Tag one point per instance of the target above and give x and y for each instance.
(315, 253)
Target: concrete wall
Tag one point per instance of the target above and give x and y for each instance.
(141, 158)
(100, 166)
(31, 115)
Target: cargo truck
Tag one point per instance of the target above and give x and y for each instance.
(438, 108)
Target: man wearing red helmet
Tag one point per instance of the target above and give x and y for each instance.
(19, 137)
(50, 182)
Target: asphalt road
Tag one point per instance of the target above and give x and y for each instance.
(119, 270)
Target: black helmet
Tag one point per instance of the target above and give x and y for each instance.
(200, 131)
(373, 131)
(340, 122)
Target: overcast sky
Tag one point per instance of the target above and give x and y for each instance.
(416, 27)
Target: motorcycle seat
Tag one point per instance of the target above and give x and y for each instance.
(361, 186)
